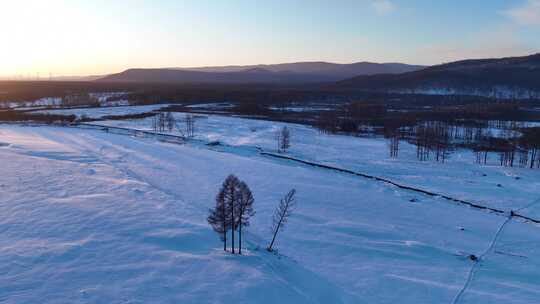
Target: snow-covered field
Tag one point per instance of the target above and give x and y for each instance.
(459, 177)
(94, 217)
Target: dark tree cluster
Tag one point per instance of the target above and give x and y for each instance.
(530, 147)
(163, 121)
(80, 99)
(21, 116)
(433, 139)
(514, 147)
(234, 207)
(393, 132)
(159, 122)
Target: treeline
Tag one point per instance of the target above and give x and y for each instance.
(518, 150)
(20, 91)
(242, 94)
(20, 116)
(437, 132)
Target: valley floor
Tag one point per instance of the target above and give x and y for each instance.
(95, 217)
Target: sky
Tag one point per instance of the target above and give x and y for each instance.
(81, 37)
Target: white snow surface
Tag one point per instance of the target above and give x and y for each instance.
(459, 177)
(94, 217)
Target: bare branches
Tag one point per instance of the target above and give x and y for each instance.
(245, 210)
(282, 214)
(190, 125)
(283, 139)
(218, 218)
(170, 121)
(234, 207)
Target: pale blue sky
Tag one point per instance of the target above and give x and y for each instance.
(71, 37)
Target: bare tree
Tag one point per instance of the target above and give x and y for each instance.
(231, 197)
(170, 121)
(281, 215)
(245, 210)
(155, 123)
(158, 122)
(278, 141)
(283, 139)
(218, 218)
(393, 133)
(190, 125)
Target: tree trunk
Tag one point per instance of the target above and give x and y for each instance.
(240, 237)
(275, 233)
(232, 220)
(224, 237)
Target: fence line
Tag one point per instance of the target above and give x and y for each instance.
(384, 180)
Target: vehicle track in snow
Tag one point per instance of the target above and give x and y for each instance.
(479, 260)
(488, 250)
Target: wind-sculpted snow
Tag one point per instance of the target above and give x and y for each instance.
(94, 217)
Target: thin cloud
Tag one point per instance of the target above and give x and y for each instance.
(383, 7)
(526, 14)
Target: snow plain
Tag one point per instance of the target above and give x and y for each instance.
(459, 177)
(94, 217)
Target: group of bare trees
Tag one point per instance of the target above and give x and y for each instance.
(438, 131)
(529, 147)
(165, 121)
(392, 132)
(433, 139)
(81, 99)
(159, 122)
(234, 208)
(514, 148)
(515, 143)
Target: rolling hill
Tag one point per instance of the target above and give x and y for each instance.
(511, 77)
(300, 72)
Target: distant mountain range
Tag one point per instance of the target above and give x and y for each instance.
(512, 77)
(300, 72)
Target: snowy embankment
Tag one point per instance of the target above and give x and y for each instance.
(94, 217)
(491, 185)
